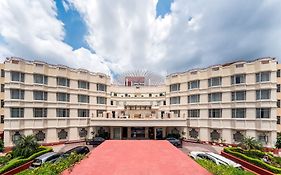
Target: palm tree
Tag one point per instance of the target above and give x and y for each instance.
(250, 143)
(25, 146)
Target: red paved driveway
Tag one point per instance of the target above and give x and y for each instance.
(137, 157)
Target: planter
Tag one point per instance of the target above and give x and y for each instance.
(247, 165)
(18, 169)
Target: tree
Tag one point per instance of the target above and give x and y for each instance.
(250, 143)
(278, 142)
(1, 145)
(25, 146)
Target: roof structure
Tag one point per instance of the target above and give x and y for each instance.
(137, 157)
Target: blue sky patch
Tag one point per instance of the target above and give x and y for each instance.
(74, 26)
(163, 7)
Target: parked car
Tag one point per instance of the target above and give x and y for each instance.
(77, 150)
(174, 141)
(95, 141)
(48, 157)
(216, 158)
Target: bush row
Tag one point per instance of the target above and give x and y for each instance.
(255, 161)
(54, 168)
(15, 162)
(221, 169)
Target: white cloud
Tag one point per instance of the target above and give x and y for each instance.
(31, 30)
(127, 35)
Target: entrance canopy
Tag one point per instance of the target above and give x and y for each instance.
(137, 157)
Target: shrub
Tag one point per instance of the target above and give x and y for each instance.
(1, 145)
(25, 146)
(278, 142)
(21, 160)
(250, 143)
(252, 160)
(54, 168)
(221, 169)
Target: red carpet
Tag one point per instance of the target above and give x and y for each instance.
(137, 157)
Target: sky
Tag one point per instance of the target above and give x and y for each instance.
(162, 36)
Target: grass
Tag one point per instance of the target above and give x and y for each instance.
(221, 169)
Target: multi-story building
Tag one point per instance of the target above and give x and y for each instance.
(2, 76)
(218, 103)
(278, 98)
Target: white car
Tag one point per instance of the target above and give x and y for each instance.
(216, 158)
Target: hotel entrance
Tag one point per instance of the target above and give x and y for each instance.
(138, 132)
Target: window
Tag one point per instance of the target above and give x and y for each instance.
(175, 100)
(39, 112)
(17, 76)
(239, 113)
(193, 133)
(62, 112)
(238, 136)
(63, 96)
(40, 79)
(2, 118)
(176, 113)
(83, 132)
(61, 81)
(164, 102)
(278, 73)
(278, 87)
(2, 73)
(2, 103)
(215, 135)
(216, 81)
(238, 95)
(83, 112)
(174, 87)
(111, 103)
(194, 84)
(40, 95)
(262, 137)
(62, 134)
(193, 113)
(263, 94)
(278, 120)
(262, 112)
(239, 65)
(2, 87)
(262, 76)
(213, 97)
(40, 136)
(238, 79)
(83, 84)
(83, 98)
(278, 103)
(101, 87)
(101, 100)
(193, 98)
(215, 113)
(17, 112)
(100, 113)
(17, 94)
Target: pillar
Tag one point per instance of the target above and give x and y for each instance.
(129, 132)
(146, 133)
(164, 132)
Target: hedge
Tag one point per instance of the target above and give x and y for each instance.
(19, 160)
(54, 168)
(255, 161)
(221, 169)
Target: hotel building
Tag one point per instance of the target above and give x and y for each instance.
(220, 103)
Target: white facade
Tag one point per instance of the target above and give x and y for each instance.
(206, 111)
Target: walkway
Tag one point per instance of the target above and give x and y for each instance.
(137, 157)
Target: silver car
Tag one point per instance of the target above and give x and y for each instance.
(48, 157)
(216, 158)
